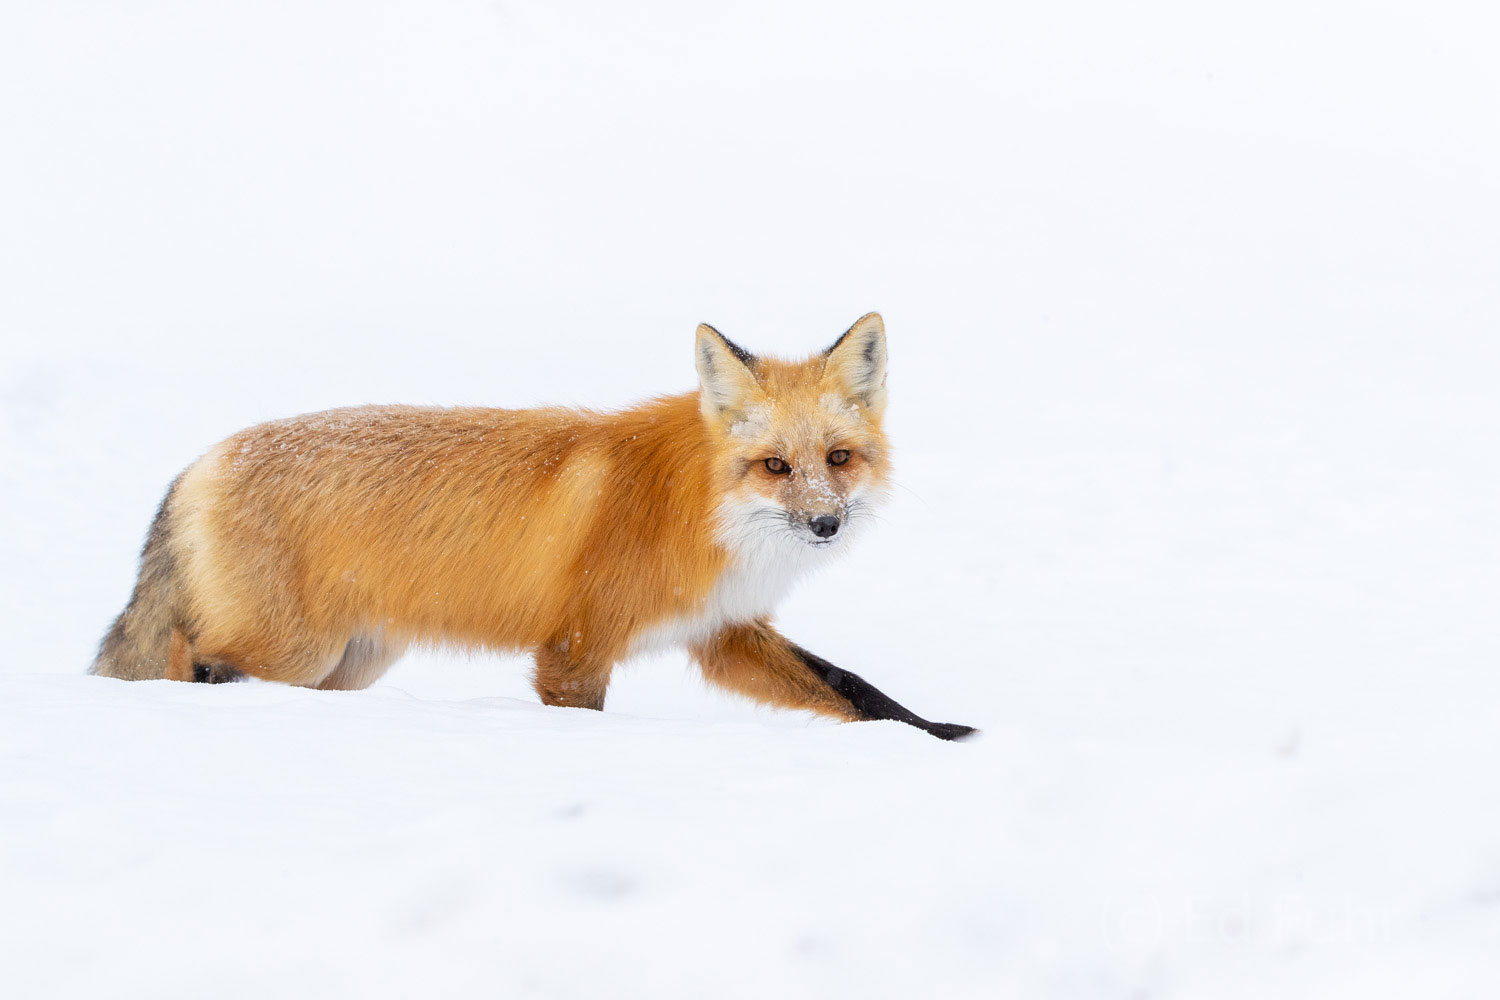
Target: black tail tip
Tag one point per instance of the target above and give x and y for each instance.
(952, 731)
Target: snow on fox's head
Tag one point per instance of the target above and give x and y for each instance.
(802, 456)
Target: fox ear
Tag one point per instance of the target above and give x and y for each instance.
(725, 380)
(857, 359)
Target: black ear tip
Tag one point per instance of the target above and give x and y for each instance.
(741, 355)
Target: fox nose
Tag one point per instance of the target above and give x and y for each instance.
(824, 525)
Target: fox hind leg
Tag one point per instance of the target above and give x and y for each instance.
(215, 673)
(361, 663)
(183, 664)
(365, 659)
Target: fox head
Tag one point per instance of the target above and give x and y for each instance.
(802, 457)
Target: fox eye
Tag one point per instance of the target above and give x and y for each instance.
(777, 467)
(838, 457)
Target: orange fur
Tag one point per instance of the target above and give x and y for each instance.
(314, 550)
(179, 657)
(757, 661)
(489, 528)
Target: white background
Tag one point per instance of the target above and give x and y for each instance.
(1192, 315)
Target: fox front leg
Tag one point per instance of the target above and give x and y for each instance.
(758, 661)
(566, 678)
(871, 702)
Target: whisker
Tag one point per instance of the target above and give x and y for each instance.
(920, 499)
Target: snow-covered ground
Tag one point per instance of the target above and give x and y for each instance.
(1193, 322)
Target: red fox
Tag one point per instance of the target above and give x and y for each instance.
(315, 550)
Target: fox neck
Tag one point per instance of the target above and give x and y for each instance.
(757, 568)
(755, 578)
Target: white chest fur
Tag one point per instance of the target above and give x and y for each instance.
(763, 566)
(745, 591)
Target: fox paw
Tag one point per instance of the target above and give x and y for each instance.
(951, 731)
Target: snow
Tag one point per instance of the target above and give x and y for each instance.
(1192, 315)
